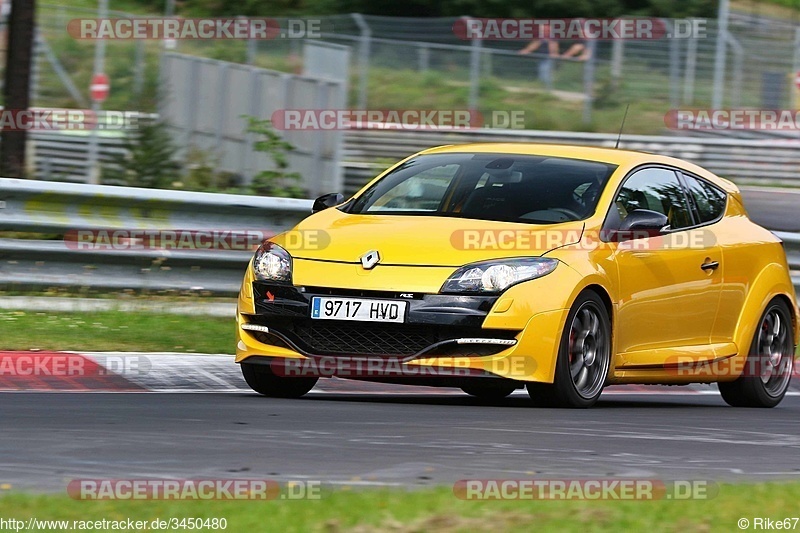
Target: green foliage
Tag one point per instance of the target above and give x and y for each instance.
(222, 50)
(606, 95)
(121, 61)
(276, 182)
(202, 174)
(148, 161)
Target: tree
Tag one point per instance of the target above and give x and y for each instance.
(277, 182)
(148, 161)
(16, 90)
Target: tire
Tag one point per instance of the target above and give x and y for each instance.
(495, 391)
(584, 357)
(261, 379)
(769, 365)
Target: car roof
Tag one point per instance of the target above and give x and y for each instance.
(626, 159)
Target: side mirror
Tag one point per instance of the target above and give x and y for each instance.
(642, 223)
(327, 200)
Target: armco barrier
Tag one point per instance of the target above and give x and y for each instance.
(60, 208)
(29, 205)
(50, 208)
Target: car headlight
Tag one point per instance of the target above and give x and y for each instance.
(272, 263)
(491, 277)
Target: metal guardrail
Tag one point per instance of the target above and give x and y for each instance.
(745, 161)
(61, 208)
(30, 205)
(49, 264)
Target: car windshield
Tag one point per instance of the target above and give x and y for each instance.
(501, 187)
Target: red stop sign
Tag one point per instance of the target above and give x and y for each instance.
(99, 87)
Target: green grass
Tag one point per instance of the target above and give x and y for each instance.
(434, 510)
(115, 331)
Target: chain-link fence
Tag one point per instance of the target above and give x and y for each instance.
(396, 63)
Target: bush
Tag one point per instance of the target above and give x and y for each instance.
(277, 182)
(148, 161)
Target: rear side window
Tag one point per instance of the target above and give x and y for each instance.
(709, 201)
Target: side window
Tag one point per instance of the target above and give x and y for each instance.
(709, 201)
(656, 189)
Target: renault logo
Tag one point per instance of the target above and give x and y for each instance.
(370, 259)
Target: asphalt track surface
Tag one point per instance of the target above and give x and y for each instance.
(48, 439)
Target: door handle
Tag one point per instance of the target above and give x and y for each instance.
(711, 265)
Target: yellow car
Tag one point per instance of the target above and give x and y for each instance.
(492, 267)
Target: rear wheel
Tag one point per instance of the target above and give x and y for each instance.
(770, 362)
(494, 391)
(264, 381)
(584, 357)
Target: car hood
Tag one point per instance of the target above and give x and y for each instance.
(332, 235)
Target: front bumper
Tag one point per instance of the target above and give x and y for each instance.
(444, 332)
(434, 325)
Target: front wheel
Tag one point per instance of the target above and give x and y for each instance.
(769, 364)
(584, 357)
(264, 381)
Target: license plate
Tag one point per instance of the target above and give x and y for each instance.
(364, 310)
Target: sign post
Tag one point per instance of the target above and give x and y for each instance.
(99, 88)
(99, 80)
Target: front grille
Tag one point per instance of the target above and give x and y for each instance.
(348, 338)
(281, 310)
